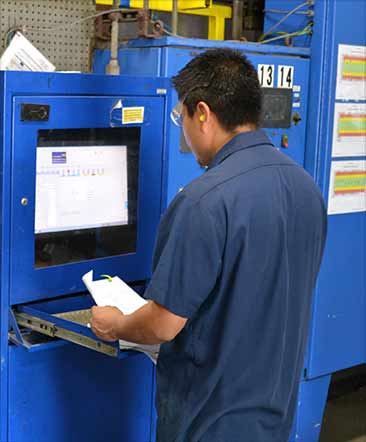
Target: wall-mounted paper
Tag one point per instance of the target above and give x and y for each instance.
(351, 73)
(347, 187)
(349, 130)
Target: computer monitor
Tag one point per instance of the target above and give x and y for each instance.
(81, 187)
(86, 194)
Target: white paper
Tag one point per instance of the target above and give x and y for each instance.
(351, 81)
(349, 130)
(21, 55)
(347, 187)
(151, 351)
(116, 293)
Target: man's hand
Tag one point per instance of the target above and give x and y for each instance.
(150, 324)
(105, 322)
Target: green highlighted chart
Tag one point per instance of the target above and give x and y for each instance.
(347, 189)
(351, 73)
(354, 67)
(349, 182)
(352, 125)
(349, 132)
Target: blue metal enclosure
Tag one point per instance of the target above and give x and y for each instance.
(338, 332)
(50, 389)
(340, 313)
(165, 56)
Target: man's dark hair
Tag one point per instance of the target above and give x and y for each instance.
(227, 82)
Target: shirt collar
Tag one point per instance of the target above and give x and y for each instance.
(239, 142)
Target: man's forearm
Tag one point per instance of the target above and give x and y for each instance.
(142, 326)
(151, 324)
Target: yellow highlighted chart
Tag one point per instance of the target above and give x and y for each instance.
(347, 187)
(354, 67)
(351, 73)
(350, 182)
(352, 125)
(349, 133)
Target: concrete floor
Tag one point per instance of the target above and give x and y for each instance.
(345, 418)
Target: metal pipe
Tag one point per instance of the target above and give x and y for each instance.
(237, 22)
(112, 67)
(175, 17)
(144, 20)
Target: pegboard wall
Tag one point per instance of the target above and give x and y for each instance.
(46, 23)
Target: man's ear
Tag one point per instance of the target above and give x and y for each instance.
(203, 112)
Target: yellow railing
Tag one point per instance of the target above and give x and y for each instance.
(216, 13)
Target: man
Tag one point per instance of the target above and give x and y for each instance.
(236, 260)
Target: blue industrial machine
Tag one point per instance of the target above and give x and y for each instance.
(337, 338)
(338, 332)
(283, 72)
(82, 164)
(337, 93)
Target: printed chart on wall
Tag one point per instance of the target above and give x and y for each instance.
(351, 73)
(347, 188)
(349, 130)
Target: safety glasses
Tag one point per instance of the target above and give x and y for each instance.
(176, 113)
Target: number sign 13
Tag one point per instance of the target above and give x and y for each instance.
(266, 75)
(285, 76)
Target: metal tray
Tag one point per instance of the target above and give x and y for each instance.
(56, 320)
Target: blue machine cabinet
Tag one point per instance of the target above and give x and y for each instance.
(165, 56)
(50, 389)
(338, 332)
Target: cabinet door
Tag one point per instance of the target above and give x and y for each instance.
(86, 195)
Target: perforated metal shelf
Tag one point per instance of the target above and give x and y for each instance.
(46, 23)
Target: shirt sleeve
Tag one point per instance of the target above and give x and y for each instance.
(188, 258)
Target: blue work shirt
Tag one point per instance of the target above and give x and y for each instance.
(238, 252)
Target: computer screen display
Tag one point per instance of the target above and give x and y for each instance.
(80, 187)
(86, 194)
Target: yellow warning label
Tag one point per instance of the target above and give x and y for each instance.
(132, 115)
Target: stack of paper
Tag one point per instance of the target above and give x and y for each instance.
(116, 293)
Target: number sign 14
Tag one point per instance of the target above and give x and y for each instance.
(285, 76)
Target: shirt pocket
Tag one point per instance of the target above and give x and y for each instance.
(200, 347)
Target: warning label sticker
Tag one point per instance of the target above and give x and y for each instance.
(132, 115)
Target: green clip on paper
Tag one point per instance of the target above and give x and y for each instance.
(107, 277)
